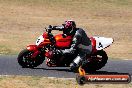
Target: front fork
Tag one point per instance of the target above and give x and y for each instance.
(35, 54)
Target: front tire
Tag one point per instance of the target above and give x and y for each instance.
(25, 60)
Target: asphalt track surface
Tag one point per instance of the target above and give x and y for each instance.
(9, 66)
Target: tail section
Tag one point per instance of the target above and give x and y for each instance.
(102, 42)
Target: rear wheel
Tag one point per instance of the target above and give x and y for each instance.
(25, 60)
(98, 60)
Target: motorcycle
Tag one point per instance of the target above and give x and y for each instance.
(47, 44)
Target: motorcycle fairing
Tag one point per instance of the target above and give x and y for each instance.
(93, 43)
(39, 40)
(32, 47)
(102, 42)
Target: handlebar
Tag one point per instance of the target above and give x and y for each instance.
(50, 28)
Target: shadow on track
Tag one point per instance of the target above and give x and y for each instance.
(68, 70)
(57, 69)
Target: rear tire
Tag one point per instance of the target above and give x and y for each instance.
(25, 60)
(95, 64)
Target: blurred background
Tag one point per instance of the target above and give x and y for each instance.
(22, 21)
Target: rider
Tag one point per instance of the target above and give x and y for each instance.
(80, 42)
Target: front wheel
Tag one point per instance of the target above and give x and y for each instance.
(25, 60)
(98, 60)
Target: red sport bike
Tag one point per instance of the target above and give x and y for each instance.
(46, 45)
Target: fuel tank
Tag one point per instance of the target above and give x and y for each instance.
(62, 42)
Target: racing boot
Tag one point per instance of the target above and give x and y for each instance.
(73, 67)
(75, 64)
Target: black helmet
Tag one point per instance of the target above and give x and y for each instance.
(69, 27)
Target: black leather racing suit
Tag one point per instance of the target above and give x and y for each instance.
(80, 42)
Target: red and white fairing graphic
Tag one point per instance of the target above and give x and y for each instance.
(98, 43)
(60, 41)
(39, 40)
